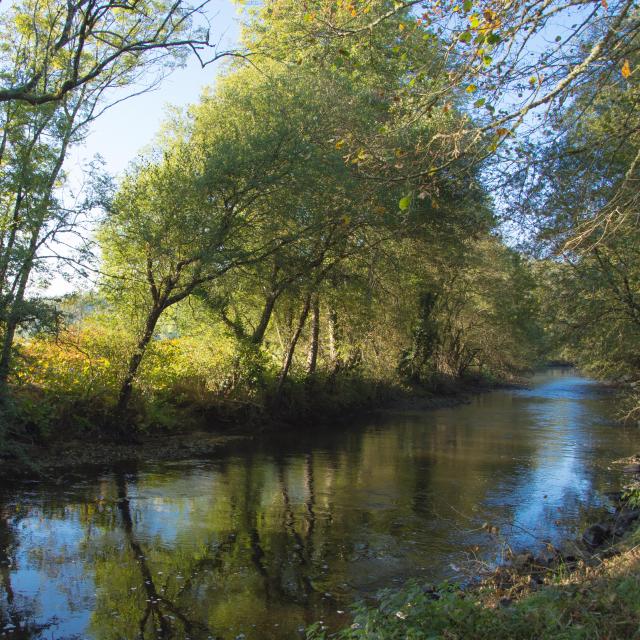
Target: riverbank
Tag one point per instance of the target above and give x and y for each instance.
(194, 432)
(592, 601)
(590, 589)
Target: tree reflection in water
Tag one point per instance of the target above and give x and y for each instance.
(266, 541)
(17, 615)
(160, 614)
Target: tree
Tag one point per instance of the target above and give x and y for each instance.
(63, 62)
(53, 48)
(202, 207)
(36, 143)
(489, 52)
(580, 204)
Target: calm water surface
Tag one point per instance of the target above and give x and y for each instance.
(262, 543)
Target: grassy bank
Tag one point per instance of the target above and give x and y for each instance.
(601, 601)
(595, 596)
(47, 434)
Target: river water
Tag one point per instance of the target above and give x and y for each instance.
(259, 544)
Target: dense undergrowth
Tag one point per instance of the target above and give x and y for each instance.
(203, 370)
(37, 414)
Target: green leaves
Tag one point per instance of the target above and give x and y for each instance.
(404, 203)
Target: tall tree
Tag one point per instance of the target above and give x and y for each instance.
(202, 208)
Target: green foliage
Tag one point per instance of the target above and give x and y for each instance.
(585, 205)
(631, 495)
(54, 49)
(273, 249)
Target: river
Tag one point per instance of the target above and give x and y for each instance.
(262, 542)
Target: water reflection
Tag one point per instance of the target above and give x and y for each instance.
(264, 542)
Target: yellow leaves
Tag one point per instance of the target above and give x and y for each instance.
(23, 24)
(626, 69)
(472, 88)
(360, 156)
(501, 131)
(402, 26)
(340, 143)
(59, 63)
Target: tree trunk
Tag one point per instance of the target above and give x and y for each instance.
(27, 266)
(5, 354)
(284, 372)
(14, 315)
(258, 335)
(8, 249)
(334, 342)
(134, 363)
(312, 357)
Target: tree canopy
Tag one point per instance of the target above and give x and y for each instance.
(374, 195)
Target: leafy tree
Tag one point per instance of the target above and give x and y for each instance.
(61, 62)
(203, 208)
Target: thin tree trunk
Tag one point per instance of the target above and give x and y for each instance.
(312, 357)
(8, 249)
(5, 354)
(22, 192)
(334, 341)
(134, 363)
(14, 315)
(25, 271)
(270, 302)
(292, 345)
